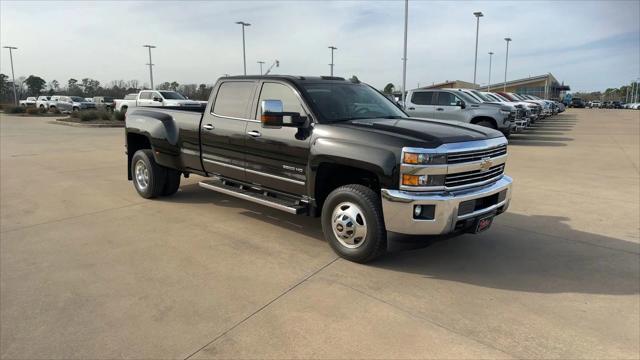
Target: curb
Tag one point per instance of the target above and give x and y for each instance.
(72, 124)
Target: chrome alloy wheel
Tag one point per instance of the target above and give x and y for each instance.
(142, 175)
(349, 225)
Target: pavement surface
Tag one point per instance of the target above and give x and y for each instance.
(88, 269)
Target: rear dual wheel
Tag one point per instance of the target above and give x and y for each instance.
(150, 179)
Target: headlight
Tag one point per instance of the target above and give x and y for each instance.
(424, 159)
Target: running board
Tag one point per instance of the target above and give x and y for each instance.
(241, 192)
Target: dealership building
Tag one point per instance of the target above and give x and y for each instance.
(543, 86)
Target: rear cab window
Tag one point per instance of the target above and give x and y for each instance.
(423, 98)
(233, 99)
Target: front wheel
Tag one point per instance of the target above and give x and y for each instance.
(353, 224)
(148, 177)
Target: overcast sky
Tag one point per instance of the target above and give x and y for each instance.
(590, 45)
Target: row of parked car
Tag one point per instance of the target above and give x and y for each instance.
(504, 111)
(596, 104)
(68, 103)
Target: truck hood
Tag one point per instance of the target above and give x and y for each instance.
(433, 132)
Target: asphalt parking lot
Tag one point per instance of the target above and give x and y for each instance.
(88, 269)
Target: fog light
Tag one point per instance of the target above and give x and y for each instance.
(417, 210)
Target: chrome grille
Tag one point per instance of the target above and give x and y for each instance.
(469, 156)
(473, 177)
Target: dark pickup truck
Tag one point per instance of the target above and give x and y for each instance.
(327, 147)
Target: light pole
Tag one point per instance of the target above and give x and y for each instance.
(404, 58)
(244, 56)
(489, 83)
(13, 76)
(506, 62)
(478, 15)
(260, 62)
(150, 64)
(331, 65)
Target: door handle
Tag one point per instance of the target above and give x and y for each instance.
(440, 109)
(208, 127)
(254, 133)
(412, 108)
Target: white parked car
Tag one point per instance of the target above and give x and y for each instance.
(42, 102)
(30, 101)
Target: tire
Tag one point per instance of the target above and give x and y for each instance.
(486, 123)
(124, 109)
(42, 108)
(172, 182)
(75, 109)
(148, 177)
(361, 215)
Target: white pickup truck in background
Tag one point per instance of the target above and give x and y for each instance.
(155, 98)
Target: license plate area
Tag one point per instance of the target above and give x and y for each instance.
(483, 223)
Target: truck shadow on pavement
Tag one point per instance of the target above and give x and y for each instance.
(545, 133)
(536, 253)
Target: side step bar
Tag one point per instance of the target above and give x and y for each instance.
(242, 192)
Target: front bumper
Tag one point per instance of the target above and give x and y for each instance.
(448, 215)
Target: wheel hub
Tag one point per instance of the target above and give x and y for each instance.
(348, 224)
(142, 175)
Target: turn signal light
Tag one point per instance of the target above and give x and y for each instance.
(414, 180)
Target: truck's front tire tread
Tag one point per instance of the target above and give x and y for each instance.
(157, 174)
(375, 243)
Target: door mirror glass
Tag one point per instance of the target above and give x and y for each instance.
(271, 113)
(158, 99)
(461, 103)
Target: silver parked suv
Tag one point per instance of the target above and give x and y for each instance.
(454, 105)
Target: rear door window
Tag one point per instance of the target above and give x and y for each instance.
(145, 95)
(233, 99)
(422, 98)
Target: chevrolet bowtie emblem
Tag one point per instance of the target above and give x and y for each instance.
(486, 164)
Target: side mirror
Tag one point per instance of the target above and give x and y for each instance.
(158, 99)
(272, 115)
(461, 103)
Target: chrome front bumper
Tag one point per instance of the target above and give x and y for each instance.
(398, 207)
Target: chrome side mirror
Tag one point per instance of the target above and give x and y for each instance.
(271, 113)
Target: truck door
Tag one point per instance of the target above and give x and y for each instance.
(421, 104)
(449, 107)
(277, 157)
(145, 98)
(223, 129)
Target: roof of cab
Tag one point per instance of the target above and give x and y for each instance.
(292, 78)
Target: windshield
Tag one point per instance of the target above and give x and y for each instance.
(172, 95)
(348, 101)
(482, 96)
(77, 99)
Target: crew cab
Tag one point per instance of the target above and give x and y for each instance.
(156, 98)
(325, 147)
(70, 103)
(457, 106)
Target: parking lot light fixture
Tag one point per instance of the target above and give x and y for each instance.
(13, 76)
(478, 15)
(150, 64)
(506, 62)
(244, 55)
(489, 82)
(261, 63)
(331, 65)
(404, 58)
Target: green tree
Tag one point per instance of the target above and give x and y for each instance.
(164, 86)
(174, 86)
(35, 84)
(388, 89)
